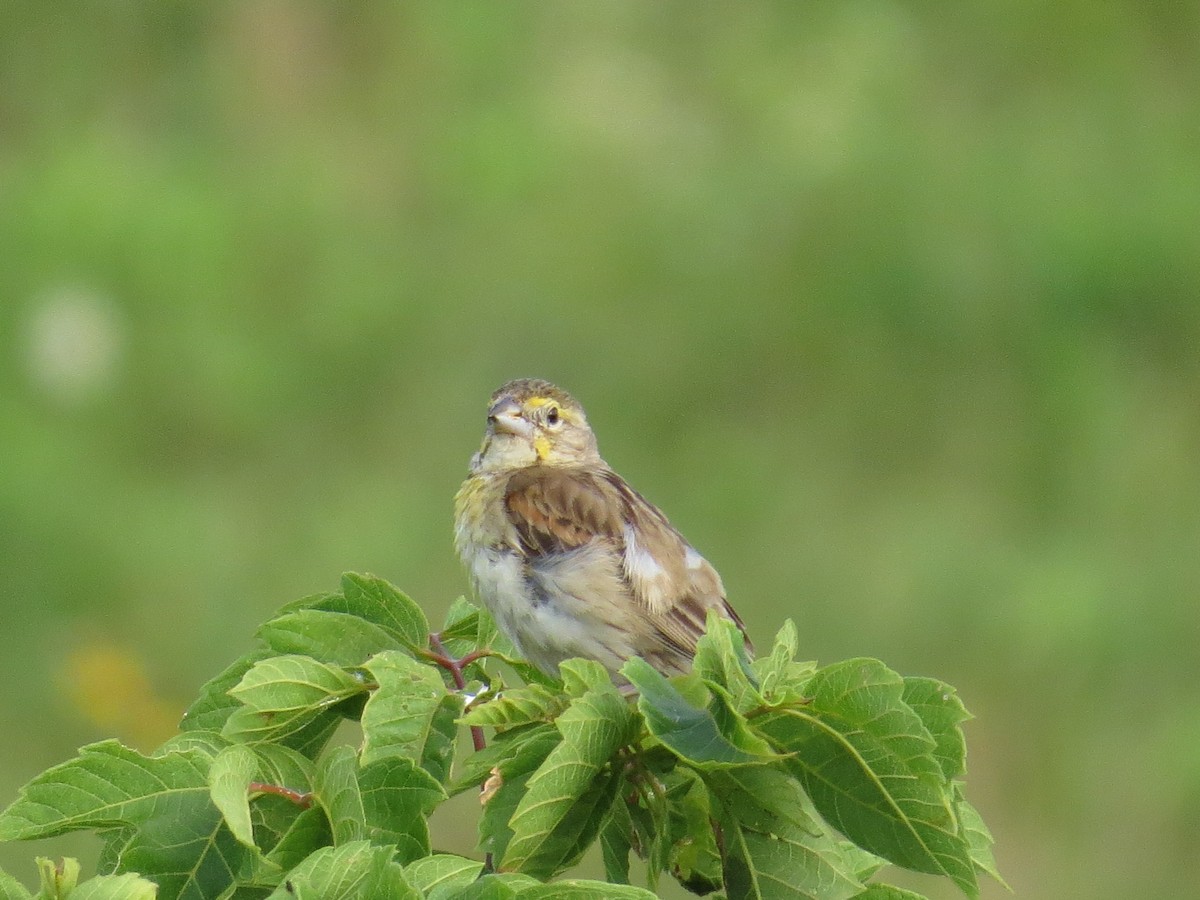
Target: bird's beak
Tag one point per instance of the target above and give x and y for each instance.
(505, 417)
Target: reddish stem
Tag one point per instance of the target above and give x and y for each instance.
(302, 799)
(455, 667)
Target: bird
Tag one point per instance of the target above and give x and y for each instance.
(568, 558)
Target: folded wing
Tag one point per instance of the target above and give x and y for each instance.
(555, 510)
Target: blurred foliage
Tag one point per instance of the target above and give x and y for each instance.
(893, 308)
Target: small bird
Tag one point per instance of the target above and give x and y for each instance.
(568, 558)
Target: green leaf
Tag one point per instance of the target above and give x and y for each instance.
(694, 857)
(942, 713)
(207, 743)
(57, 880)
(397, 797)
(651, 818)
(774, 866)
(379, 602)
(438, 756)
(162, 820)
(691, 732)
(336, 790)
(410, 714)
(319, 600)
(229, 778)
(214, 705)
(376, 601)
(887, 892)
(774, 847)
(721, 659)
(509, 751)
(283, 686)
(616, 841)
(765, 796)
(460, 633)
(569, 795)
(308, 832)
(528, 672)
(866, 760)
(497, 886)
(519, 706)
(582, 675)
(487, 637)
(576, 889)
(787, 640)
(979, 838)
(116, 887)
(283, 766)
(275, 818)
(358, 870)
(442, 875)
(734, 726)
(508, 763)
(462, 621)
(780, 677)
(862, 863)
(11, 889)
(567, 837)
(112, 843)
(284, 695)
(498, 808)
(333, 637)
(311, 738)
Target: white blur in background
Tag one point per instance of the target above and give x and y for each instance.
(74, 339)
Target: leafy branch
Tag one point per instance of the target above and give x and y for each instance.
(766, 778)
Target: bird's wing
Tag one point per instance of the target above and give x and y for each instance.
(674, 582)
(556, 509)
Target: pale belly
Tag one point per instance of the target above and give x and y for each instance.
(566, 606)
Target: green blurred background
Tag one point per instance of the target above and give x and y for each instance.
(892, 307)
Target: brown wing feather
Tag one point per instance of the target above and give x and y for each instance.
(681, 615)
(555, 510)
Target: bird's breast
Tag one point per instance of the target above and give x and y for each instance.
(479, 516)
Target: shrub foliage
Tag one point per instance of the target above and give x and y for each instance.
(766, 778)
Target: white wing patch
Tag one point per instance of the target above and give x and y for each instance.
(692, 559)
(645, 572)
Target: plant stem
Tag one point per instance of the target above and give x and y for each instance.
(302, 799)
(455, 668)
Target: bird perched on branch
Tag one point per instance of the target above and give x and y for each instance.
(568, 558)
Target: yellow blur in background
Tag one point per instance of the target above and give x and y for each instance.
(111, 690)
(891, 307)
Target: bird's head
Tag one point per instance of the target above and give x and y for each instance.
(532, 421)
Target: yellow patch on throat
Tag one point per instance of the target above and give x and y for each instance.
(541, 446)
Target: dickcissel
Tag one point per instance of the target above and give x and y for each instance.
(568, 558)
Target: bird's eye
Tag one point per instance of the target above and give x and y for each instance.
(552, 416)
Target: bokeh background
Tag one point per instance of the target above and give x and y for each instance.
(892, 307)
